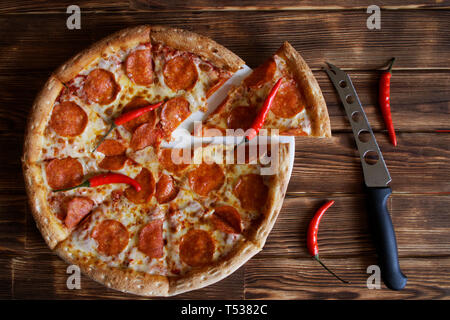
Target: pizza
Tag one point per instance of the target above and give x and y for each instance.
(140, 217)
(298, 108)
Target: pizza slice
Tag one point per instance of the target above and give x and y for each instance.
(298, 109)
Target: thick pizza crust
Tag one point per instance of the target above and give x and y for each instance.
(200, 45)
(199, 278)
(122, 39)
(277, 191)
(51, 228)
(316, 106)
(38, 118)
(125, 280)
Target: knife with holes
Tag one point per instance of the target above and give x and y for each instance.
(376, 179)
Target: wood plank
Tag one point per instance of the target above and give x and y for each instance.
(6, 282)
(420, 221)
(303, 278)
(26, 6)
(420, 101)
(12, 222)
(45, 275)
(417, 165)
(338, 36)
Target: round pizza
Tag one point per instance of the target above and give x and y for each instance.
(147, 219)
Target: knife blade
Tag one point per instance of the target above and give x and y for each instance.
(376, 179)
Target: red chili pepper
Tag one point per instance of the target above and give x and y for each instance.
(128, 116)
(262, 115)
(106, 178)
(313, 230)
(385, 102)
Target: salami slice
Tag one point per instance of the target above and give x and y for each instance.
(100, 87)
(173, 113)
(147, 182)
(241, 118)
(197, 248)
(64, 173)
(77, 209)
(288, 102)
(146, 135)
(113, 163)
(251, 192)
(168, 157)
(262, 74)
(206, 178)
(111, 147)
(227, 219)
(68, 119)
(166, 189)
(180, 73)
(139, 67)
(151, 240)
(111, 237)
(148, 117)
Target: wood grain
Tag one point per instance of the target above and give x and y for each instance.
(338, 36)
(417, 165)
(303, 278)
(42, 6)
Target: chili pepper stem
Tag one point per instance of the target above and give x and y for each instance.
(113, 126)
(391, 63)
(326, 268)
(86, 184)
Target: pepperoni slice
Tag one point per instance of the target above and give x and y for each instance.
(148, 117)
(146, 135)
(77, 209)
(111, 147)
(151, 240)
(241, 118)
(206, 178)
(139, 67)
(180, 73)
(288, 101)
(64, 173)
(262, 74)
(227, 219)
(113, 162)
(251, 192)
(166, 190)
(197, 248)
(147, 182)
(111, 236)
(100, 87)
(167, 158)
(68, 119)
(174, 112)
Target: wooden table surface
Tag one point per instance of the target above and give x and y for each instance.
(34, 40)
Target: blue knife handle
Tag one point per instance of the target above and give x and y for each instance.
(384, 236)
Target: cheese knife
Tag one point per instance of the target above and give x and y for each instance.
(376, 179)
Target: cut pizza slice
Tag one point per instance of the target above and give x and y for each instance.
(153, 64)
(228, 218)
(298, 108)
